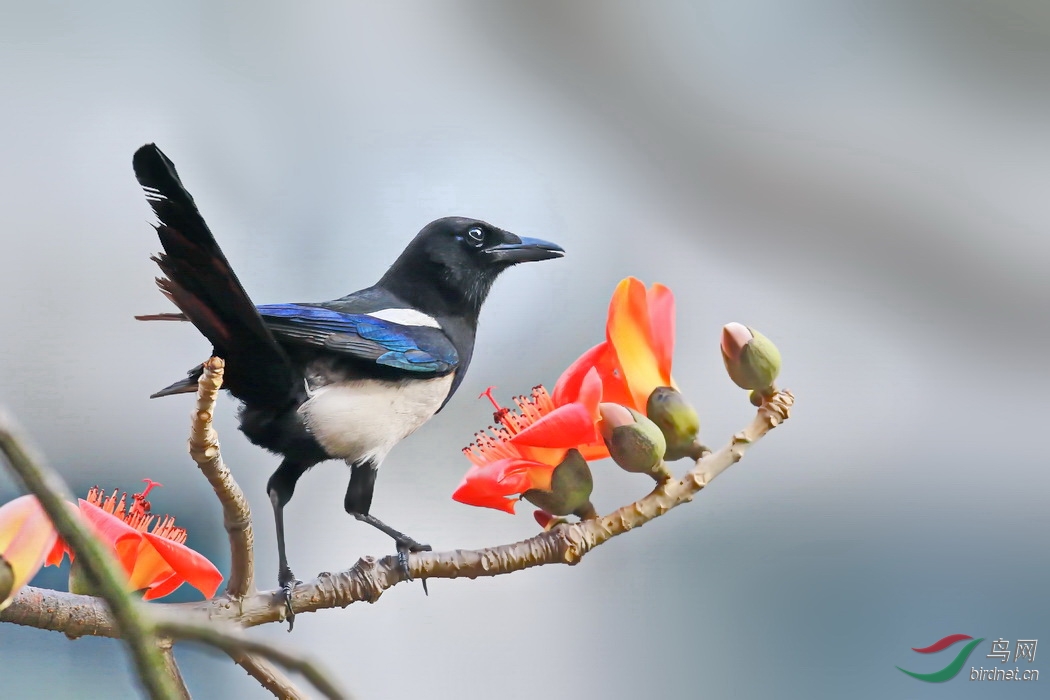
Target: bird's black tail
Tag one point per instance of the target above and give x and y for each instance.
(199, 280)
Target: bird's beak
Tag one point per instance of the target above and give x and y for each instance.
(525, 250)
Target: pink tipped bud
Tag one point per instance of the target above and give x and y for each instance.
(613, 416)
(751, 359)
(634, 442)
(735, 337)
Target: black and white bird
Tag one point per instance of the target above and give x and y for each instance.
(344, 379)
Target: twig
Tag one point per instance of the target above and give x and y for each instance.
(171, 667)
(370, 577)
(54, 497)
(236, 514)
(231, 640)
(268, 675)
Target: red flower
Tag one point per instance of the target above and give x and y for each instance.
(635, 358)
(27, 539)
(150, 548)
(522, 450)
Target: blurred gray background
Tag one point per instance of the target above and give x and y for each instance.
(863, 182)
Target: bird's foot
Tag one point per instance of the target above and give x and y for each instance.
(287, 581)
(404, 546)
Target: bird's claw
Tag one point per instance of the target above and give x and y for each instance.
(404, 546)
(288, 583)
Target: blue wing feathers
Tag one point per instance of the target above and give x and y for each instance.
(410, 348)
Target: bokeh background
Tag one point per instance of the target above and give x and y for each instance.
(864, 182)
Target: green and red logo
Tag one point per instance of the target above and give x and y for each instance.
(952, 669)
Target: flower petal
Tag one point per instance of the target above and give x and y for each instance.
(565, 427)
(660, 301)
(193, 567)
(26, 538)
(115, 533)
(567, 388)
(601, 357)
(591, 393)
(521, 475)
(148, 567)
(61, 549)
(492, 485)
(470, 497)
(594, 451)
(164, 587)
(58, 551)
(627, 330)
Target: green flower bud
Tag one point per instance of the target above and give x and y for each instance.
(79, 581)
(678, 421)
(7, 579)
(570, 492)
(752, 360)
(635, 442)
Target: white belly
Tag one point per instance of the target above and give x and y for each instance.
(364, 419)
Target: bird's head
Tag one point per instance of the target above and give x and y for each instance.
(458, 259)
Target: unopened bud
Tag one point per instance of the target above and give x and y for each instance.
(635, 442)
(7, 579)
(752, 360)
(677, 420)
(80, 581)
(570, 492)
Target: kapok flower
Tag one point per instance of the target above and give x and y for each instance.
(634, 363)
(635, 358)
(150, 548)
(27, 540)
(525, 446)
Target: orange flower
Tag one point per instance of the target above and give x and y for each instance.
(521, 452)
(27, 539)
(150, 549)
(635, 358)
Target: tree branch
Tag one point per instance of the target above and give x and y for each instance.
(370, 577)
(268, 675)
(171, 667)
(236, 513)
(54, 497)
(233, 641)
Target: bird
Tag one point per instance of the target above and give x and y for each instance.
(345, 379)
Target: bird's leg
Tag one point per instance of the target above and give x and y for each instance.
(403, 542)
(280, 488)
(285, 578)
(357, 503)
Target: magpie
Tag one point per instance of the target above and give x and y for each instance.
(343, 379)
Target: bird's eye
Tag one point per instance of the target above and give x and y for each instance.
(476, 235)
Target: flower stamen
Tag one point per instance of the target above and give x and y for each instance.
(138, 516)
(494, 444)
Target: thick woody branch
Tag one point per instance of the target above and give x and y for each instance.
(49, 488)
(236, 514)
(370, 577)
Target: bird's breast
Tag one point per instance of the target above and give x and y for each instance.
(358, 419)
